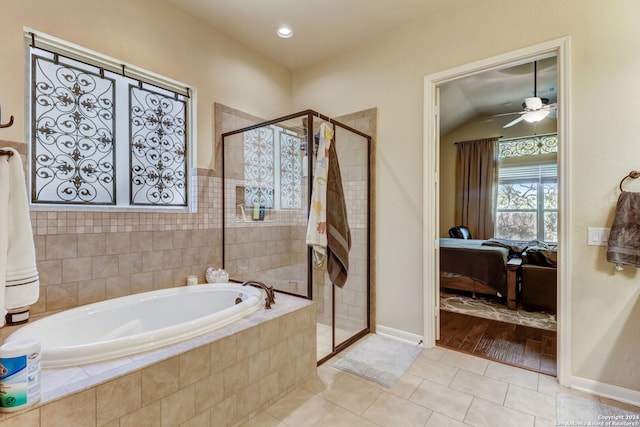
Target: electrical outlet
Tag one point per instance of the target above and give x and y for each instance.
(598, 236)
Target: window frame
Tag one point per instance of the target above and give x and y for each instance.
(539, 210)
(539, 156)
(94, 59)
(276, 163)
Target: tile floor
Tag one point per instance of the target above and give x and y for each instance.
(443, 388)
(325, 342)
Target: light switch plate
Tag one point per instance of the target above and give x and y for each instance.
(598, 236)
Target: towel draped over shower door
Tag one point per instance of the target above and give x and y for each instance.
(328, 230)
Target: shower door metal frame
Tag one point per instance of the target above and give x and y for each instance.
(310, 115)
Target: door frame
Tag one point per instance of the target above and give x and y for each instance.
(431, 203)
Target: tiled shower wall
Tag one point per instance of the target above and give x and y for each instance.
(85, 257)
(275, 250)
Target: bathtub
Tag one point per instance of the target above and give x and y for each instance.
(141, 322)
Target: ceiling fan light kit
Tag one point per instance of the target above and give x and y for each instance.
(535, 116)
(535, 108)
(533, 103)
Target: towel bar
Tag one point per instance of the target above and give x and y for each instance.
(632, 175)
(6, 153)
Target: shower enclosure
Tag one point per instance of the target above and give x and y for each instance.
(267, 171)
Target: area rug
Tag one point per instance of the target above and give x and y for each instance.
(577, 411)
(489, 308)
(379, 359)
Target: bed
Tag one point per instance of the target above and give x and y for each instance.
(468, 265)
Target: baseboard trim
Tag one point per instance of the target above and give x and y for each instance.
(614, 392)
(399, 335)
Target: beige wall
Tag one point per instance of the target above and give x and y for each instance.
(152, 35)
(85, 257)
(605, 66)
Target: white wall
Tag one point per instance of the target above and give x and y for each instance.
(153, 35)
(605, 65)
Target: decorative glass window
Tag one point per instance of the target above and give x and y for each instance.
(105, 134)
(266, 150)
(527, 194)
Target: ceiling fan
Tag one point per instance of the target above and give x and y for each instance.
(535, 108)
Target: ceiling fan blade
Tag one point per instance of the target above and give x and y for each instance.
(513, 122)
(508, 114)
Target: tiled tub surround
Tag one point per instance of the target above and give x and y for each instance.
(217, 379)
(85, 257)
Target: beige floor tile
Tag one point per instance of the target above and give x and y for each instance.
(300, 407)
(541, 422)
(439, 398)
(513, 375)
(351, 393)
(464, 361)
(481, 386)
(531, 402)
(548, 385)
(389, 410)
(404, 388)
(433, 353)
(325, 375)
(433, 370)
(340, 417)
(488, 414)
(439, 420)
(263, 419)
(620, 405)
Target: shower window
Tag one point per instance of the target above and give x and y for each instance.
(272, 168)
(103, 135)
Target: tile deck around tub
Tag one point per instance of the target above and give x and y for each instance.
(59, 382)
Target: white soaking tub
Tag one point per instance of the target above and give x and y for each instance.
(132, 324)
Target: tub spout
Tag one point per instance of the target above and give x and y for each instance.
(271, 297)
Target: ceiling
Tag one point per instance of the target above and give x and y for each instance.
(322, 29)
(496, 91)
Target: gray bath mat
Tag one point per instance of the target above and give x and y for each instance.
(574, 410)
(379, 359)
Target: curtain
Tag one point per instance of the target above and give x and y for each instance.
(476, 183)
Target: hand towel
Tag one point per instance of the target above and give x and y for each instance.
(18, 272)
(317, 224)
(4, 231)
(339, 233)
(624, 237)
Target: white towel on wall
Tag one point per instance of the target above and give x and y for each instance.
(317, 225)
(18, 272)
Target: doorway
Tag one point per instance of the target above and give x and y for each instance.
(433, 174)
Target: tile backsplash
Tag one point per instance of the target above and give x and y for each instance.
(85, 257)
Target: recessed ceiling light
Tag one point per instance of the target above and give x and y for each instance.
(284, 32)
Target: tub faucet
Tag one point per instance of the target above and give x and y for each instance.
(271, 297)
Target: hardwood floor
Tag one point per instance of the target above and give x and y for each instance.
(516, 345)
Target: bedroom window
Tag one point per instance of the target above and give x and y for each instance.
(527, 193)
(106, 135)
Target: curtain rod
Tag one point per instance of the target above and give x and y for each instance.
(479, 139)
